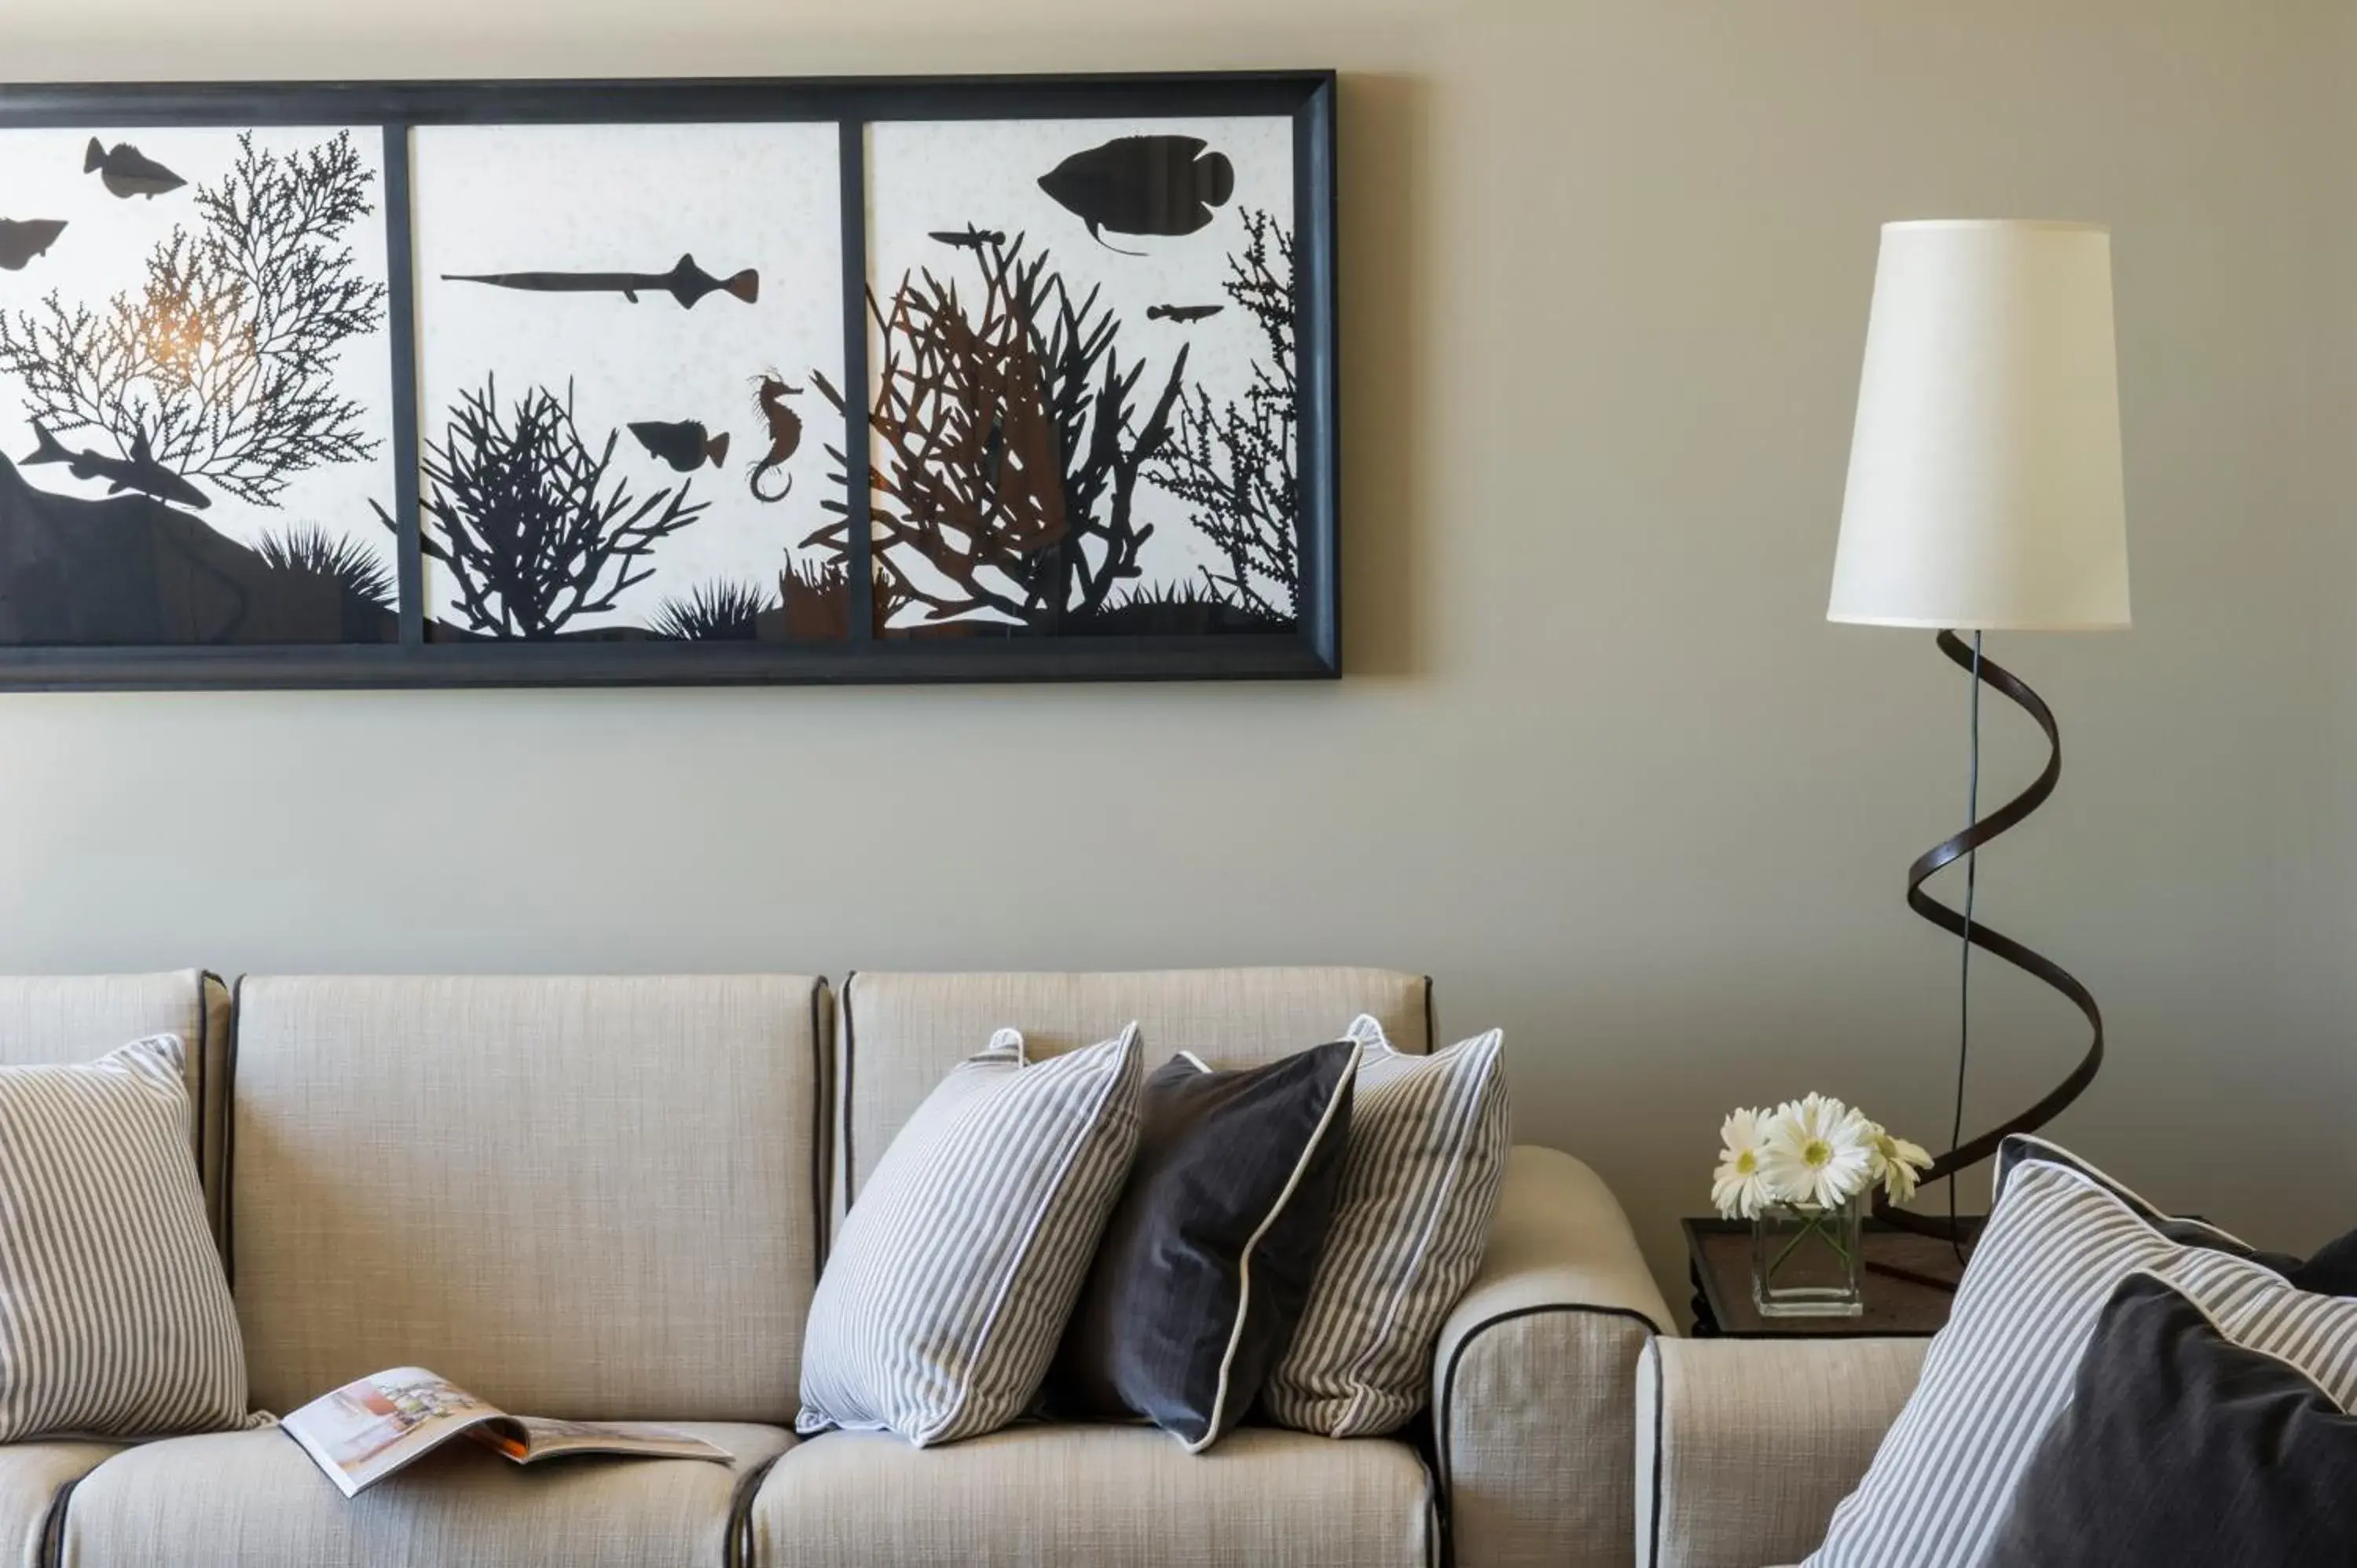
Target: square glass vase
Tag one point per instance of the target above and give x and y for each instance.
(1806, 1260)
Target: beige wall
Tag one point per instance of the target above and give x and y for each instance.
(1600, 764)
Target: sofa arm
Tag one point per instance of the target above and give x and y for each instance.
(1534, 1379)
(1744, 1447)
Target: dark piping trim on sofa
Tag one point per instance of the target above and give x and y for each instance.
(846, 1059)
(52, 1551)
(737, 1544)
(1661, 1425)
(229, 1134)
(1448, 1381)
(821, 1081)
(215, 1130)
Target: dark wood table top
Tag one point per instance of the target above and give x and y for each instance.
(1718, 1256)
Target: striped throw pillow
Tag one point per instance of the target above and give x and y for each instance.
(950, 1282)
(2061, 1238)
(1427, 1155)
(115, 1318)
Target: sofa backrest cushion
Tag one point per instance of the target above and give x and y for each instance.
(902, 1032)
(47, 1020)
(576, 1198)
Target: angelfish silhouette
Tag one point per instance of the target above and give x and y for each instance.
(686, 282)
(1143, 185)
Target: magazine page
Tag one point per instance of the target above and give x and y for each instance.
(366, 1429)
(525, 1438)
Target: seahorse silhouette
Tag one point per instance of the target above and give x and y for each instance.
(785, 435)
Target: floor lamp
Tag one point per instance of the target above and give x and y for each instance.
(1984, 495)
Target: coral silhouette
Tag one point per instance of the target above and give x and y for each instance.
(224, 362)
(521, 514)
(1236, 465)
(1007, 451)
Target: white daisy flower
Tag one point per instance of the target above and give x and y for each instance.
(1738, 1188)
(1898, 1164)
(1818, 1152)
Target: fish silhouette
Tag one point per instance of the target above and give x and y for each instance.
(969, 238)
(23, 239)
(686, 282)
(682, 443)
(785, 437)
(1181, 312)
(128, 172)
(1142, 185)
(141, 473)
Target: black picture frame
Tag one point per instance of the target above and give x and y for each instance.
(1312, 650)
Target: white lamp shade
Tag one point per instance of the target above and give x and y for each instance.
(1984, 489)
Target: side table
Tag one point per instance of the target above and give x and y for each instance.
(1910, 1283)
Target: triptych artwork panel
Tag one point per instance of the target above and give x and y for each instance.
(620, 408)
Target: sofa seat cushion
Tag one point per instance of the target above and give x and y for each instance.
(254, 1499)
(1043, 1495)
(31, 1473)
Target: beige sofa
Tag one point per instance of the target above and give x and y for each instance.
(1744, 1447)
(610, 1198)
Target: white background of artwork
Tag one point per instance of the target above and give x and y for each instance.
(104, 252)
(503, 199)
(924, 175)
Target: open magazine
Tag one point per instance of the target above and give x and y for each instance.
(367, 1430)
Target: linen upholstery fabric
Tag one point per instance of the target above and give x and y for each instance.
(1428, 1153)
(31, 1476)
(902, 1032)
(1206, 1262)
(1534, 1376)
(1745, 1446)
(952, 1277)
(77, 1018)
(576, 1198)
(115, 1320)
(257, 1501)
(2059, 1241)
(2182, 1443)
(1095, 1496)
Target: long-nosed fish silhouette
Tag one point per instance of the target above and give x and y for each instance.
(141, 473)
(1181, 312)
(128, 172)
(968, 238)
(1143, 185)
(685, 444)
(22, 239)
(785, 437)
(686, 282)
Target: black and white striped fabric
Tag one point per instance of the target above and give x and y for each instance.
(948, 1287)
(1427, 1155)
(115, 1318)
(2061, 1238)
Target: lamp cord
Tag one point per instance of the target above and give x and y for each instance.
(1965, 967)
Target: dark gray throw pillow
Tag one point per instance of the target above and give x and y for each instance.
(2182, 1445)
(1205, 1266)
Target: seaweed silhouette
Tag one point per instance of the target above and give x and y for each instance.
(1235, 465)
(310, 550)
(224, 362)
(521, 514)
(1007, 455)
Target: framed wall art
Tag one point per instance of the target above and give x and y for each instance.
(534, 383)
